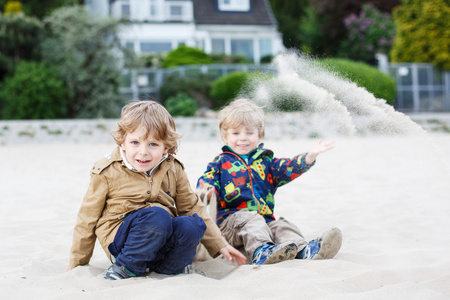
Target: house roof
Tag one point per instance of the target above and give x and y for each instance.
(207, 12)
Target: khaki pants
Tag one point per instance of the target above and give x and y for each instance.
(249, 230)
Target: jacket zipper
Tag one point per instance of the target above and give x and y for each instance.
(249, 170)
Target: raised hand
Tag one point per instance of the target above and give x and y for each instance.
(318, 148)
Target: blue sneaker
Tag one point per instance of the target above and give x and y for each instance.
(116, 272)
(270, 254)
(325, 247)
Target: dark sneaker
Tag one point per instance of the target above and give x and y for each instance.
(191, 269)
(271, 254)
(116, 272)
(325, 247)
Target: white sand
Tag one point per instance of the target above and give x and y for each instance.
(390, 196)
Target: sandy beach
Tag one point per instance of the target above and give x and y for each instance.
(390, 196)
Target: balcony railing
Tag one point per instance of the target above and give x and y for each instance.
(153, 11)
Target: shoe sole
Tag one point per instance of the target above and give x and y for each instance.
(285, 252)
(331, 243)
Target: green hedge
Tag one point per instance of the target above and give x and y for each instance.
(33, 92)
(371, 78)
(181, 105)
(228, 87)
(186, 56)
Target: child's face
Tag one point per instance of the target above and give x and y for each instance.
(242, 140)
(142, 154)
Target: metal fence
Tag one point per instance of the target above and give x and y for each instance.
(145, 83)
(420, 87)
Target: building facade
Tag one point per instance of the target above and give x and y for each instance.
(231, 27)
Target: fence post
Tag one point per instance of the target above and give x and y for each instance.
(447, 90)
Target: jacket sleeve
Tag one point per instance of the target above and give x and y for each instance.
(284, 170)
(211, 177)
(90, 212)
(189, 203)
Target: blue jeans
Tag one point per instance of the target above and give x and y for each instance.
(151, 238)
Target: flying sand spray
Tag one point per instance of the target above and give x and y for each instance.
(330, 105)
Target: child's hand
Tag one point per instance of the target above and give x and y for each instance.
(203, 191)
(233, 255)
(317, 149)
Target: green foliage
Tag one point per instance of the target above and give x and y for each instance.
(186, 56)
(196, 87)
(39, 8)
(364, 75)
(328, 16)
(221, 58)
(13, 7)
(181, 105)
(311, 37)
(423, 33)
(288, 15)
(33, 92)
(19, 40)
(368, 33)
(228, 87)
(152, 60)
(85, 52)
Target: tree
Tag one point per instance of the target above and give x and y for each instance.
(331, 15)
(19, 39)
(288, 15)
(368, 33)
(39, 8)
(86, 53)
(423, 32)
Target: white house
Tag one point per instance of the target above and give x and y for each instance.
(245, 27)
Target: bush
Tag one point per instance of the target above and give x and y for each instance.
(371, 78)
(228, 87)
(20, 37)
(423, 33)
(33, 92)
(186, 56)
(197, 88)
(368, 33)
(181, 105)
(220, 58)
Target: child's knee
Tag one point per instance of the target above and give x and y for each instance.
(155, 217)
(189, 228)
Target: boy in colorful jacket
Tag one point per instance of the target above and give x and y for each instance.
(140, 205)
(244, 179)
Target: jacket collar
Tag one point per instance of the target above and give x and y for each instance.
(118, 155)
(254, 154)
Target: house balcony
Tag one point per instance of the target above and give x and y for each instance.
(153, 10)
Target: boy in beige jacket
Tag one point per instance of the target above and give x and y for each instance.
(140, 205)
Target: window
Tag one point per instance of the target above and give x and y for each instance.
(155, 47)
(155, 8)
(234, 5)
(129, 45)
(242, 47)
(125, 11)
(217, 46)
(265, 47)
(176, 11)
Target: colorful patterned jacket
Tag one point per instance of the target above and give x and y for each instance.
(250, 185)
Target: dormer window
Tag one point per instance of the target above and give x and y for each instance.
(234, 5)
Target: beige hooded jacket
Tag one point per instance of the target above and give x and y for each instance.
(115, 191)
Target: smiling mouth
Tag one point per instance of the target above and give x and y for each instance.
(142, 161)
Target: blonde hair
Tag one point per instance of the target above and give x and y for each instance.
(241, 112)
(151, 116)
